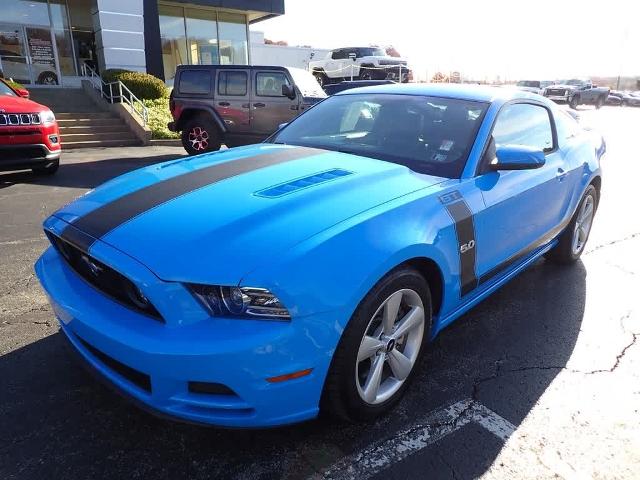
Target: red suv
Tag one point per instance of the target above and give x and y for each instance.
(29, 136)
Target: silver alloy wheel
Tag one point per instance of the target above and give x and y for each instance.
(390, 346)
(583, 224)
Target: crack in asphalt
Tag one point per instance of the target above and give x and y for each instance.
(451, 468)
(612, 242)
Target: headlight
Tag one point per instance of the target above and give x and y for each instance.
(244, 302)
(47, 116)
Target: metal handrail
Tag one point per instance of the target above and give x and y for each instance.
(122, 93)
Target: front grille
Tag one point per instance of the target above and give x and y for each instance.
(104, 278)
(141, 380)
(14, 119)
(555, 91)
(22, 153)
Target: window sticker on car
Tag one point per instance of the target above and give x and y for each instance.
(439, 157)
(446, 145)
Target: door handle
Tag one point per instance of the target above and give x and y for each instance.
(224, 104)
(561, 174)
(259, 105)
(294, 107)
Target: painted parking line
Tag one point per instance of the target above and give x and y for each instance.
(437, 425)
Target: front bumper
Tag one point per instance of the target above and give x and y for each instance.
(558, 98)
(13, 157)
(154, 363)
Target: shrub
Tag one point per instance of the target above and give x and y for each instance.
(14, 85)
(142, 85)
(159, 116)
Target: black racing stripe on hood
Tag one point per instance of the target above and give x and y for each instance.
(84, 231)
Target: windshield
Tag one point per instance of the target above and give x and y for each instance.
(5, 90)
(427, 134)
(574, 81)
(308, 85)
(371, 52)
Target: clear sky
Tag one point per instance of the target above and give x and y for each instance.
(547, 39)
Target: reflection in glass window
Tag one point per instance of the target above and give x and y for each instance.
(202, 33)
(232, 28)
(196, 82)
(524, 124)
(173, 39)
(232, 83)
(269, 84)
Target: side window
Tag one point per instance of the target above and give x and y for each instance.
(232, 83)
(195, 82)
(566, 126)
(524, 124)
(338, 54)
(269, 84)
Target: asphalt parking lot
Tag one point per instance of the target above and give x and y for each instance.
(542, 380)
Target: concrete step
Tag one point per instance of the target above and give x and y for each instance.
(79, 115)
(91, 127)
(99, 143)
(77, 122)
(82, 137)
(62, 100)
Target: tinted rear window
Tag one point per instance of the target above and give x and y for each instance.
(195, 82)
(232, 83)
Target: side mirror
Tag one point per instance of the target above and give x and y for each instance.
(288, 91)
(23, 92)
(353, 56)
(517, 157)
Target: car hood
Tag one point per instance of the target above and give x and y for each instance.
(224, 229)
(563, 86)
(19, 105)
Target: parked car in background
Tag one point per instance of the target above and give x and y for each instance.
(237, 105)
(627, 99)
(613, 100)
(577, 92)
(22, 71)
(363, 63)
(533, 86)
(333, 88)
(29, 137)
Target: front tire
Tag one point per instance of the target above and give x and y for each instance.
(574, 102)
(321, 78)
(380, 349)
(572, 241)
(200, 135)
(599, 103)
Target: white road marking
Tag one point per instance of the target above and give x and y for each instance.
(437, 425)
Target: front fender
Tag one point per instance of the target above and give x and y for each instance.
(334, 270)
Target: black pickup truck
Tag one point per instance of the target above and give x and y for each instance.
(577, 92)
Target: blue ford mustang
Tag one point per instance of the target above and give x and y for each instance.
(261, 285)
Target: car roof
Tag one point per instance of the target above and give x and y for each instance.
(213, 67)
(479, 93)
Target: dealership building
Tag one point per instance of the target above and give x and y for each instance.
(49, 42)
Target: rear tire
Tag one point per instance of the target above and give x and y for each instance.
(572, 241)
(200, 135)
(366, 338)
(48, 170)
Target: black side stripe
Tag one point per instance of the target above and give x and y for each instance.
(86, 230)
(465, 233)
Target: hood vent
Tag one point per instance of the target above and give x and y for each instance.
(304, 182)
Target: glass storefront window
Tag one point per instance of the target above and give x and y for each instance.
(202, 32)
(173, 38)
(232, 28)
(61, 30)
(201, 36)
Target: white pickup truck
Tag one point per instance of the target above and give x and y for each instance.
(359, 63)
